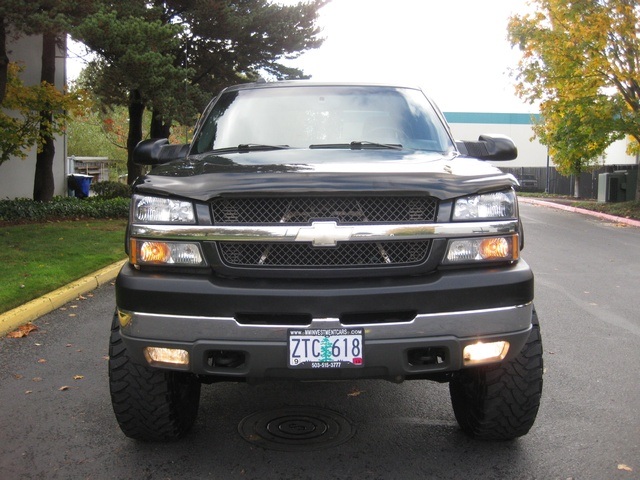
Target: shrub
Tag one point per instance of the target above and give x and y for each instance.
(111, 190)
(27, 210)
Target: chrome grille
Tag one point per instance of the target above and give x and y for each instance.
(302, 210)
(348, 254)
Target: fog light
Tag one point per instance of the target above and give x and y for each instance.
(485, 352)
(167, 356)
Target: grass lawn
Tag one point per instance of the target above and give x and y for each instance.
(38, 258)
(619, 209)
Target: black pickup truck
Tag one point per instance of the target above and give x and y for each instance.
(324, 232)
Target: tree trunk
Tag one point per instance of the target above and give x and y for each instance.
(159, 128)
(576, 185)
(4, 60)
(638, 178)
(136, 109)
(43, 184)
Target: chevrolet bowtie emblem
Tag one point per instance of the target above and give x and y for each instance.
(324, 234)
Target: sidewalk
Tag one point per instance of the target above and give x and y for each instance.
(34, 309)
(28, 312)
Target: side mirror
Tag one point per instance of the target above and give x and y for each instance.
(489, 147)
(157, 151)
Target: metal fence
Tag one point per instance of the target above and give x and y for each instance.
(550, 181)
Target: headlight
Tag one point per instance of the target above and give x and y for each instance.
(486, 206)
(483, 249)
(161, 210)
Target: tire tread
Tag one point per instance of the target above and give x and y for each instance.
(149, 404)
(501, 402)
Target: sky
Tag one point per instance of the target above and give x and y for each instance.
(455, 50)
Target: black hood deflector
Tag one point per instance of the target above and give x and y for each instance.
(301, 172)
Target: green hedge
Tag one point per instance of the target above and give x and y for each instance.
(111, 189)
(27, 210)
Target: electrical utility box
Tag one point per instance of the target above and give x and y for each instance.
(613, 187)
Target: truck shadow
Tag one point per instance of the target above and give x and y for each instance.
(399, 431)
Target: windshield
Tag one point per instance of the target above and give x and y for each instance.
(322, 116)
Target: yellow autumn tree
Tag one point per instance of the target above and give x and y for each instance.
(580, 62)
(20, 115)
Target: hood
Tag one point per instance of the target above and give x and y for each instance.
(301, 171)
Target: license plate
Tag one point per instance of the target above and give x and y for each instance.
(326, 348)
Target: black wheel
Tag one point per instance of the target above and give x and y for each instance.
(150, 404)
(500, 402)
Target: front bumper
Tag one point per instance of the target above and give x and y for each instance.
(432, 317)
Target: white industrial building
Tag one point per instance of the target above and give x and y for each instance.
(613, 180)
(16, 175)
(518, 126)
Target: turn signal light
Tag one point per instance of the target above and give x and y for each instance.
(494, 248)
(154, 252)
(483, 249)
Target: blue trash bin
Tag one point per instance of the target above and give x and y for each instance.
(80, 184)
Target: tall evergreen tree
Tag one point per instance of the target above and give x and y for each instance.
(171, 56)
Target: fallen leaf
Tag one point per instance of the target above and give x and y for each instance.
(17, 376)
(38, 344)
(28, 392)
(355, 393)
(36, 379)
(42, 360)
(72, 315)
(69, 345)
(22, 331)
(624, 467)
(62, 389)
(78, 377)
(80, 297)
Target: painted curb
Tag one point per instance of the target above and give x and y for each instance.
(584, 211)
(30, 311)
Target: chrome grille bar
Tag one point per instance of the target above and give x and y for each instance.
(326, 233)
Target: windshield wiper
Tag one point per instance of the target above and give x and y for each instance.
(358, 145)
(250, 147)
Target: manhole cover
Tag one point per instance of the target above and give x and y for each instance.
(296, 429)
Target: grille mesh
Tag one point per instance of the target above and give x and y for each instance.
(348, 254)
(302, 210)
